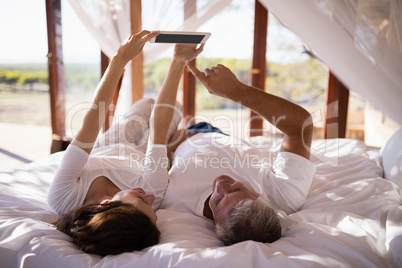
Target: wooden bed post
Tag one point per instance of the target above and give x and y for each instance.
(109, 119)
(56, 75)
(137, 64)
(336, 109)
(189, 81)
(104, 64)
(259, 68)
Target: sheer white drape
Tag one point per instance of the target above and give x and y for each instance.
(168, 15)
(359, 40)
(109, 22)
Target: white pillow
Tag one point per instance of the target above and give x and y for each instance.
(391, 155)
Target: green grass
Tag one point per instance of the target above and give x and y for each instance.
(33, 107)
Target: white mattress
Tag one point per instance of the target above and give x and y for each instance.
(352, 218)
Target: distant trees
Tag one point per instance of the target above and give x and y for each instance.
(82, 77)
(23, 78)
(302, 82)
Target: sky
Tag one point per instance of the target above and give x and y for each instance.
(24, 34)
(24, 37)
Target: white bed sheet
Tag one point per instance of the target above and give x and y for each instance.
(352, 218)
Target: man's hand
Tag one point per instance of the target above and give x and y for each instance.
(219, 81)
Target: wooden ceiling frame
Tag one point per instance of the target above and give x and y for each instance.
(336, 112)
(259, 65)
(137, 64)
(112, 107)
(56, 76)
(189, 81)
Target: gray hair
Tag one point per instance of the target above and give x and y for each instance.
(250, 220)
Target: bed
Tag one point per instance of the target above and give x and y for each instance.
(352, 218)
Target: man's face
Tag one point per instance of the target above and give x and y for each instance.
(227, 193)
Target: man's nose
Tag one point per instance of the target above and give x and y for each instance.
(222, 187)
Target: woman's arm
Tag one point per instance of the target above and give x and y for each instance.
(294, 121)
(165, 104)
(95, 117)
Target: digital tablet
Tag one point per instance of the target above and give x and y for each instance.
(181, 37)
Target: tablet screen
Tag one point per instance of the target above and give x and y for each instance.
(179, 38)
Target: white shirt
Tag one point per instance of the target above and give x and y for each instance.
(125, 166)
(283, 180)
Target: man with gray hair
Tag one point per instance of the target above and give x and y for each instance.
(225, 179)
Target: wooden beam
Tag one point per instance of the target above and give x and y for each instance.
(104, 63)
(337, 108)
(137, 64)
(189, 81)
(259, 67)
(56, 75)
(109, 119)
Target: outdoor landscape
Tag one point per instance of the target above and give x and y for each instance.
(291, 72)
(24, 97)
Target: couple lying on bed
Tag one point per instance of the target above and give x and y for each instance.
(107, 191)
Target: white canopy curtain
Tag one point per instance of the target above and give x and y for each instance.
(169, 16)
(109, 22)
(359, 40)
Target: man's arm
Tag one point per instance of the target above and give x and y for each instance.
(294, 121)
(165, 104)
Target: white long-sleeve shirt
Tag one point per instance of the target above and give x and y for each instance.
(283, 180)
(125, 166)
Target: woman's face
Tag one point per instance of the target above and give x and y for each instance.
(139, 199)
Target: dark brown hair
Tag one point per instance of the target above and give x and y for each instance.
(111, 228)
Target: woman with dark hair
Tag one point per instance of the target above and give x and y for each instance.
(99, 189)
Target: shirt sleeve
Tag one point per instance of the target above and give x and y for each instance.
(289, 182)
(156, 172)
(64, 193)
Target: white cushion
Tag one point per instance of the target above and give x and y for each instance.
(391, 155)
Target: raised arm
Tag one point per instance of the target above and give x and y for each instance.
(95, 117)
(165, 104)
(294, 121)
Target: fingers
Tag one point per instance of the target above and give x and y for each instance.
(208, 72)
(197, 73)
(147, 35)
(151, 35)
(221, 66)
(144, 35)
(200, 49)
(215, 69)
